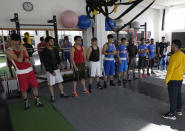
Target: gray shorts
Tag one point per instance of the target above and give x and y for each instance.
(132, 63)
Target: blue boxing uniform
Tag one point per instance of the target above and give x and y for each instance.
(142, 57)
(109, 66)
(123, 56)
(152, 49)
(66, 51)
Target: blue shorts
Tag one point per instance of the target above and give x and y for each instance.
(67, 56)
(109, 67)
(123, 66)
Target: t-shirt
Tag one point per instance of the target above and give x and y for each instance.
(142, 47)
(152, 49)
(132, 50)
(163, 47)
(122, 51)
(41, 47)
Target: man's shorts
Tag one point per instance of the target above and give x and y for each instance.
(52, 80)
(109, 67)
(94, 69)
(27, 80)
(80, 74)
(142, 63)
(132, 63)
(123, 66)
(67, 56)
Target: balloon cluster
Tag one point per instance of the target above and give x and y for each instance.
(70, 19)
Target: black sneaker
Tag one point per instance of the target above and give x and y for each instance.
(169, 116)
(112, 83)
(90, 88)
(38, 103)
(124, 81)
(179, 113)
(99, 86)
(105, 85)
(119, 83)
(52, 99)
(63, 95)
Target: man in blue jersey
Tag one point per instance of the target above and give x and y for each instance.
(142, 51)
(109, 51)
(67, 45)
(122, 63)
(152, 55)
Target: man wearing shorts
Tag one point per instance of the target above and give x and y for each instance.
(122, 57)
(152, 55)
(132, 52)
(52, 64)
(93, 56)
(142, 51)
(78, 62)
(19, 57)
(109, 51)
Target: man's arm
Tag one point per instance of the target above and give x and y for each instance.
(88, 53)
(105, 49)
(158, 49)
(12, 56)
(171, 67)
(72, 58)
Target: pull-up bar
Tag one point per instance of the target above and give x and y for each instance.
(52, 21)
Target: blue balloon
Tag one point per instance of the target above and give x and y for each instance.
(112, 24)
(84, 22)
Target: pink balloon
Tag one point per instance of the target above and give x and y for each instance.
(69, 19)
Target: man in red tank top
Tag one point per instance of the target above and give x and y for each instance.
(78, 62)
(18, 55)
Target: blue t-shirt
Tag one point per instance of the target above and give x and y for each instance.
(152, 49)
(142, 47)
(122, 51)
(110, 50)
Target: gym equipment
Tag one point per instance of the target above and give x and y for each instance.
(102, 6)
(52, 21)
(84, 22)
(111, 23)
(69, 19)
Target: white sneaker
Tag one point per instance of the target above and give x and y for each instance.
(179, 113)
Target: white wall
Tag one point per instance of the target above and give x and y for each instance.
(43, 10)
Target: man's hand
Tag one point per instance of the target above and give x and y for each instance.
(165, 85)
(76, 69)
(26, 60)
(54, 74)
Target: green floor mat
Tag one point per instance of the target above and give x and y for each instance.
(46, 118)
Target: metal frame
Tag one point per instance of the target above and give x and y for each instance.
(53, 24)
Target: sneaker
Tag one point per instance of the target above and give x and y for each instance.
(27, 105)
(63, 95)
(112, 83)
(140, 77)
(75, 94)
(179, 113)
(124, 81)
(38, 103)
(99, 86)
(119, 83)
(145, 75)
(152, 72)
(85, 91)
(52, 99)
(169, 116)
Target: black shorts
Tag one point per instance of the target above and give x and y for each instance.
(142, 62)
(81, 73)
(132, 63)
